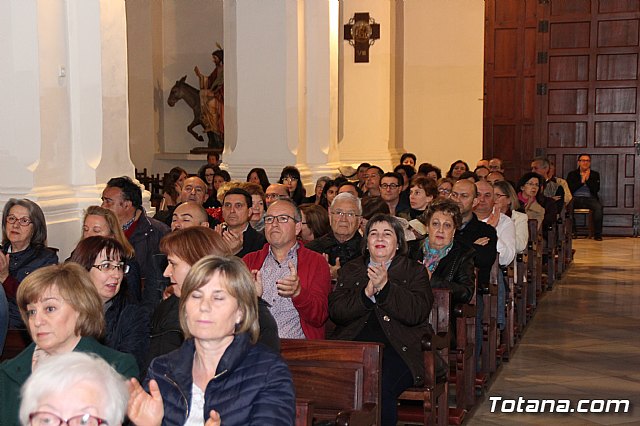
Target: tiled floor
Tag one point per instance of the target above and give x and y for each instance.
(583, 343)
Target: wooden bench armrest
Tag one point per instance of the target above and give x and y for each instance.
(304, 412)
(364, 417)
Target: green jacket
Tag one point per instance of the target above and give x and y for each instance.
(16, 371)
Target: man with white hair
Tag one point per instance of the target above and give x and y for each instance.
(342, 243)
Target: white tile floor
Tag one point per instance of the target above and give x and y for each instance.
(583, 343)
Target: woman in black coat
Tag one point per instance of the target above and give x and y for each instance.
(126, 323)
(448, 261)
(383, 296)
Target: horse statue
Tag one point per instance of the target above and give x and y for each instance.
(184, 91)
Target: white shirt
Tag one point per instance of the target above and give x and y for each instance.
(521, 222)
(506, 231)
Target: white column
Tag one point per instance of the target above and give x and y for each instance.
(262, 72)
(318, 149)
(63, 121)
(367, 132)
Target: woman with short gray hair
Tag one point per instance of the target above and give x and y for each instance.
(75, 388)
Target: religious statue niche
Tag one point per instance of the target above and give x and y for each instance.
(362, 31)
(207, 103)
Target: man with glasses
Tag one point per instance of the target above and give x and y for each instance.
(584, 184)
(343, 243)
(275, 192)
(390, 189)
(236, 231)
(292, 279)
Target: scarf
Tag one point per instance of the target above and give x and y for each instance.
(433, 256)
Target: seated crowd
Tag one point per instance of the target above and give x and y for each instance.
(190, 305)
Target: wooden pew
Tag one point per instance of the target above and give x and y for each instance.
(490, 323)
(340, 379)
(561, 243)
(434, 393)
(549, 250)
(463, 358)
(520, 292)
(534, 266)
(509, 332)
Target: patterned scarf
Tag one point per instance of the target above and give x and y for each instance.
(433, 256)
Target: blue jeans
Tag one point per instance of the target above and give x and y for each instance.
(4, 317)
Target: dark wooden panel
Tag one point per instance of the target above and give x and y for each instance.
(569, 35)
(530, 54)
(567, 135)
(618, 221)
(569, 68)
(629, 199)
(529, 93)
(505, 89)
(617, 67)
(618, 33)
(607, 166)
(614, 133)
(629, 166)
(618, 6)
(506, 12)
(570, 7)
(506, 42)
(616, 100)
(568, 101)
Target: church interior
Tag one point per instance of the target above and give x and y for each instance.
(85, 97)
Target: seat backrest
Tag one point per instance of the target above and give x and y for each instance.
(335, 375)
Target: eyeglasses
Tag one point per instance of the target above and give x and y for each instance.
(444, 191)
(275, 196)
(42, 418)
(532, 184)
(23, 221)
(108, 267)
(389, 185)
(283, 218)
(500, 195)
(345, 214)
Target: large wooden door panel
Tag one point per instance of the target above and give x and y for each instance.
(590, 98)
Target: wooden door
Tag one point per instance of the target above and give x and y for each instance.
(510, 102)
(589, 98)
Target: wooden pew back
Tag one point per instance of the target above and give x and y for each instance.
(340, 378)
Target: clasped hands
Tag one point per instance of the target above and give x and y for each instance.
(233, 240)
(378, 278)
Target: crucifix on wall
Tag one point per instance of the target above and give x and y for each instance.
(362, 31)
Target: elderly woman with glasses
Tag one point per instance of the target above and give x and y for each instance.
(127, 324)
(24, 249)
(63, 311)
(529, 195)
(219, 374)
(384, 296)
(76, 389)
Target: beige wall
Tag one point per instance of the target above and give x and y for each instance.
(443, 80)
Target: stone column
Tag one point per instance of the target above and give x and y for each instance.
(63, 119)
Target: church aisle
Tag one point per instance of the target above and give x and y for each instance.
(582, 343)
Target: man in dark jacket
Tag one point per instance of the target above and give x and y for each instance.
(584, 184)
(123, 197)
(343, 243)
(236, 231)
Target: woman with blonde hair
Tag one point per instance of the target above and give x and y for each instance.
(218, 374)
(63, 313)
